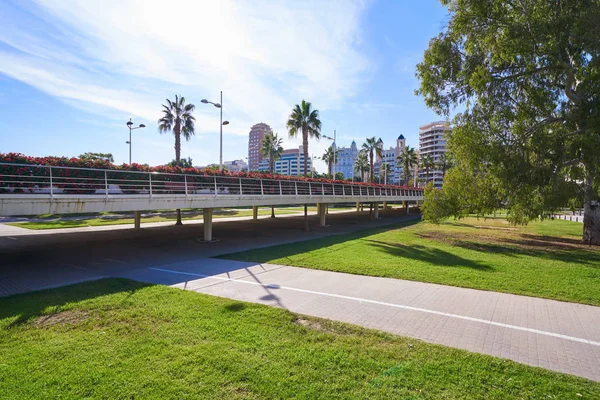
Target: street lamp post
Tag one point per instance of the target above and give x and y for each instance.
(129, 125)
(220, 107)
(334, 147)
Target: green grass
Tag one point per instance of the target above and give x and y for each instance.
(544, 259)
(96, 221)
(116, 338)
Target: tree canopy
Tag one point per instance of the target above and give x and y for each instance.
(97, 156)
(525, 75)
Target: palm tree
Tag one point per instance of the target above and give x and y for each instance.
(304, 120)
(361, 165)
(428, 164)
(178, 119)
(330, 157)
(408, 158)
(271, 148)
(373, 148)
(385, 171)
(444, 164)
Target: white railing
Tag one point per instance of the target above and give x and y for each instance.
(52, 181)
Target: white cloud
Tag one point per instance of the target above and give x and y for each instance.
(129, 56)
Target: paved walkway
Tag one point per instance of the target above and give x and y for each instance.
(555, 335)
(8, 230)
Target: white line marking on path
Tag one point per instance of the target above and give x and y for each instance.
(382, 303)
(11, 238)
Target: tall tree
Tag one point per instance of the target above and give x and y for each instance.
(304, 120)
(177, 118)
(444, 164)
(108, 157)
(361, 165)
(526, 73)
(183, 163)
(372, 148)
(272, 149)
(408, 159)
(329, 157)
(427, 164)
(384, 172)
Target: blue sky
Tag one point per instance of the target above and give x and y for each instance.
(72, 72)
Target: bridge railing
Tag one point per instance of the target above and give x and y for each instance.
(59, 181)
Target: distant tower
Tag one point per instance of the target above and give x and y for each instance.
(400, 144)
(257, 133)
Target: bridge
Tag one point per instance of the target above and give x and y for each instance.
(27, 189)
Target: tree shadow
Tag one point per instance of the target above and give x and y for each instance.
(429, 255)
(23, 307)
(543, 247)
(235, 307)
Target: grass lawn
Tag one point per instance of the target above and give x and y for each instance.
(543, 259)
(225, 213)
(116, 338)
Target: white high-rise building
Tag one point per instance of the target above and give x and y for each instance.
(432, 141)
(345, 159)
(290, 163)
(389, 157)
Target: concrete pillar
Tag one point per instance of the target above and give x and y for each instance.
(407, 207)
(137, 219)
(358, 206)
(322, 211)
(254, 212)
(207, 218)
(385, 205)
(376, 210)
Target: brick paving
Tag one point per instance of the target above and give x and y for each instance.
(556, 335)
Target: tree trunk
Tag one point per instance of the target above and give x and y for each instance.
(305, 218)
(305, 149)
(305, 145)
(177, 145)
(591, 214)
(372, 166)
(177, 159)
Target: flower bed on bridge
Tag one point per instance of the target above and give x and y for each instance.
(135, 178)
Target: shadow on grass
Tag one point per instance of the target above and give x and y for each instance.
(543, 247)
(262, 255)
(235, 307)
(24, 307)
(429, 255)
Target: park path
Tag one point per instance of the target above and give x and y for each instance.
(555, 335)
(9, 230)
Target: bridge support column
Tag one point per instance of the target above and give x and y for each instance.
(358, 206)
(137, 219)
(207, 218)
(385, 206)
(407, 207)
(376, 210)
(322, 211)
(254, 212)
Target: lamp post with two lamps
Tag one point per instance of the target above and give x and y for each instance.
(220, 107)
(129, 125)
(312, 169)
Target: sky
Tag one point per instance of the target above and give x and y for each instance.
(73, 72)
